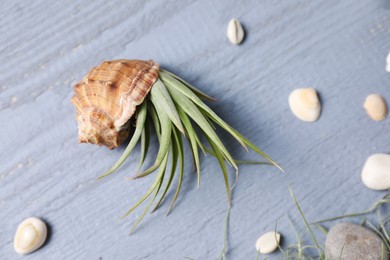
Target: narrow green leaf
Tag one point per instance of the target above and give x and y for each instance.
(210, 122)
(165, 141)
(322, 229)
(161, 173)
(179, 145)
(221, 162)
(192, 138)
(194, 113)
(169, 80)
(174, 159)
(141, 117)
(156, 121)
(240, 161)
(252, 162)
(155, 184)
(145, 141)
(370, 225)
(188, 125)
(382, 224)
(374, 207)
(257, 150)
(162, 101)
(200, 94)
(304, 218)
(201, 146)
(226, 234)
(209, 151)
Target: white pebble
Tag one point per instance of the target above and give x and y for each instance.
(30, 235)
(376, 172)
(388, 62)
(14, 99)
(376, 107)
(235, 32)
(268, 242)
(305, 104)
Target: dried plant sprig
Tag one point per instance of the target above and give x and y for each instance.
(299, 249)
(381, 229)
(161, 101)
(377, 204)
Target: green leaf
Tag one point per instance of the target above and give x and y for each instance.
(161, 173)
(213, 116)
(175, 151)
(165, 141)
(194, 113)
(304, 218)
(156, 121)
(141, 116)
(155, 184)
(240, 161)
(188, 85)
(162, 101)
(221, 162)
(193, 140)
(252, 162)
(257, 150)
(188, 127)
(145, 141)
(179, 144)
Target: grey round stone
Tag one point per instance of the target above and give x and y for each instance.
(350, 242)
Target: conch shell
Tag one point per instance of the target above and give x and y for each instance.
(107, 96)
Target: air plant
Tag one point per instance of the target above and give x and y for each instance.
(303, 249)
(116, 92)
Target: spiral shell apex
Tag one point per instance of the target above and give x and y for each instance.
(106, 98)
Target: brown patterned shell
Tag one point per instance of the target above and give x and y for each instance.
(107, 96)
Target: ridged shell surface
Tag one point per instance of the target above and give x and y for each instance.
(107, 97)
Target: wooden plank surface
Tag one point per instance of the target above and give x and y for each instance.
(338, 47)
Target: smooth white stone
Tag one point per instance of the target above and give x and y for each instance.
(388, 62)
(305, 104)
(376, 172)
(30, 235)
(376, 107)
(268, 242)
(235, 32)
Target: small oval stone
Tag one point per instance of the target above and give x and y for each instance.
(376, 107)
(347, 241)
(30, 235)
(268, 242)
(376, 172)
(305, 104)
(235, 32)
(388, 62)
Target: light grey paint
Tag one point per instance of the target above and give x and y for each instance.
(338, 47)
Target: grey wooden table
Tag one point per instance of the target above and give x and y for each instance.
(338, 47)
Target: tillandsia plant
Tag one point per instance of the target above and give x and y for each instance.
(310, 248)
(117, 92)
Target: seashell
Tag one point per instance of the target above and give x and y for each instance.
(305, 104)
(30, 235)
(235, 32)
(376, 107)
(106, 98)
(268, 242)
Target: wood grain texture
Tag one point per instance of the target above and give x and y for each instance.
(337, 47)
